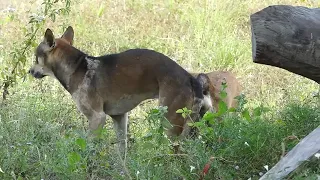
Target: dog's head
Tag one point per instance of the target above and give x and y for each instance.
(50, 52)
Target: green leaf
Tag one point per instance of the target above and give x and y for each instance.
(81, 143)
(232, 109)
(154, 111)
(246, 115)
(223, 94)
(166, 123)
(211, 121)
(184, 115)
(257, 111)
(179, 111)
(74, 158)
(148, 136)
(208, 116)
(223, 86)
(148, 145)
(100, 11)
(198, 124)
(223, 108)
(190, 124)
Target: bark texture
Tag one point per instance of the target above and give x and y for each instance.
(288, 37)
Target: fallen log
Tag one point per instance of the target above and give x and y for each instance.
(306, 148)
(288, 37)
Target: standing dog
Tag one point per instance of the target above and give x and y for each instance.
(114, 84)
(212, 86)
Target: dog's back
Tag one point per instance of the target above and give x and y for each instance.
(233, 87)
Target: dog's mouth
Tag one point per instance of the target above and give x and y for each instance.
(36, 75)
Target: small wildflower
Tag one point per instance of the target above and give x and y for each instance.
(317, 155)
(41, 18)
(246, 144)
(266, 167)
(121, 173)
(249, 179)
(260, 173)
(138, 172)
(236, 167)
(9, 10)
(192, 168)
(315, 94)
(29, 143)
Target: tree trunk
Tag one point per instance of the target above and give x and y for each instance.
(288, 37)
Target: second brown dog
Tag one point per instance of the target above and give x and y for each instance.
(212, 86)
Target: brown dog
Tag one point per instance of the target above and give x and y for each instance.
(114, 84)
(212, 86)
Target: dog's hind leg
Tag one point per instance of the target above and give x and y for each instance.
(174, 100)
(120, 123)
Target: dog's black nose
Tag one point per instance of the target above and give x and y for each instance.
(38, 75)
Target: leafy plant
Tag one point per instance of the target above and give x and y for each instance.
(158, 124)
(17, 64)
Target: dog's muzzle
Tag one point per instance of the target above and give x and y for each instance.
(36, 74)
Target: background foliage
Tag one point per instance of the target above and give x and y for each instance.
(42, 135)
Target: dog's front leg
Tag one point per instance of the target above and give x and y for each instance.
(120, 125)
(96, 119)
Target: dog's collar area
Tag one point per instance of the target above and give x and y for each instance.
(81, 63)
(92, 62)
(79, 67)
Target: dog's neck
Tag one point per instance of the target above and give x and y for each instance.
(71, 71)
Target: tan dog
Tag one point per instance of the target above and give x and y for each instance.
(212, 86)
(114, 84)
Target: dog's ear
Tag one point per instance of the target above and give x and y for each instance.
(49, 38)
(68, 35)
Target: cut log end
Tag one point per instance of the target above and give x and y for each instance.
(254, 48)
(287, 37)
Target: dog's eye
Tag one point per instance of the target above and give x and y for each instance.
(205, 92)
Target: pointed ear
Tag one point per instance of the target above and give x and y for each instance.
(49, 38)
(68, 35)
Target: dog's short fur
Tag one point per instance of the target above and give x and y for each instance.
(114, 84)
(212, 86)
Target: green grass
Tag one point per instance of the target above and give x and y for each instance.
(42, 135)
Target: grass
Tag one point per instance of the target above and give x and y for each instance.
(42, 135)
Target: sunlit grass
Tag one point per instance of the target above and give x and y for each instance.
(201, 36)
